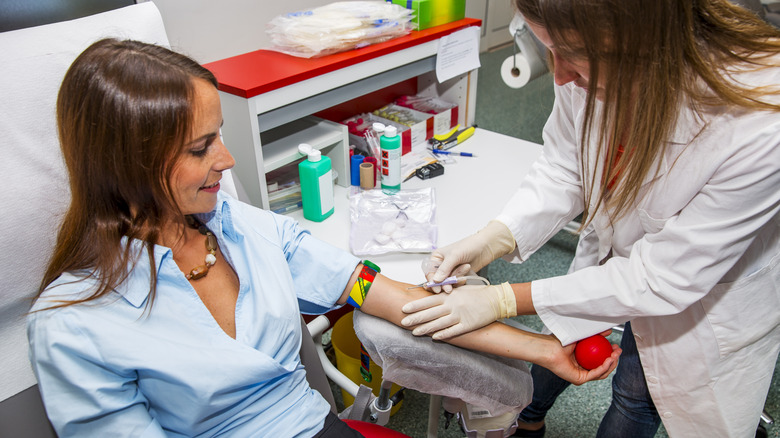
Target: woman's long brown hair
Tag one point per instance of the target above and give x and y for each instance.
(654, 57)
(123, 114)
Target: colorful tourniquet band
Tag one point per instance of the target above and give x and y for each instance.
(365, 364)
(363, 284)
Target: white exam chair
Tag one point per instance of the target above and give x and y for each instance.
(36, 48)
(38, 42)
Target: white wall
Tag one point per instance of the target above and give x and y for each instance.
(210, 30)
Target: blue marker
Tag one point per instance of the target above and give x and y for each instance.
(462, 154)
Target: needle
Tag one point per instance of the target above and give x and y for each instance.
(451, 280)
(448, 280)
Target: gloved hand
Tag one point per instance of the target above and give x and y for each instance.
(467, 308)
(471, 253)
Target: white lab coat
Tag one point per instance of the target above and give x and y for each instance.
(695, 266)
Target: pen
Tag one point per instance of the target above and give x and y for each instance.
(288, 208)
(462, 154)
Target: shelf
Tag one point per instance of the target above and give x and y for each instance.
(320, 101)
(238, 75)
(280, 146)
(268, 97)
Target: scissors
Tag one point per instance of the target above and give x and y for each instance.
(452, 138)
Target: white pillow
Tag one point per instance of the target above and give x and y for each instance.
(35, 194)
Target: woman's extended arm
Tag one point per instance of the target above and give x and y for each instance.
(386, 298)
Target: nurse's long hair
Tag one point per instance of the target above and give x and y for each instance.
(124, 111)
(654, 57)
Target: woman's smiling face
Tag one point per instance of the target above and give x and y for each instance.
(198, 171)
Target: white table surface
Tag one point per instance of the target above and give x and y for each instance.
(469, 194)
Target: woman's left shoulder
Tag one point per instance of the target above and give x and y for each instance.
(249, 217)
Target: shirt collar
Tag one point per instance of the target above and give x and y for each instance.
(220, 220)
(135, 289)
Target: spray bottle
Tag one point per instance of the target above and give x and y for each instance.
(390, 146)
(316, 184)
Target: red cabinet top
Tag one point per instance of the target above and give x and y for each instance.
(261, 71)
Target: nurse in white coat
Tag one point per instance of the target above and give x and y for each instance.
(665, 136)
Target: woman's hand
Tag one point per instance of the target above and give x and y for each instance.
(561, 361)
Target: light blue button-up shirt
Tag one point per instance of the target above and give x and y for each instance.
(107, 368)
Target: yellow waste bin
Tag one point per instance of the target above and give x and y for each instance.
(347, 348)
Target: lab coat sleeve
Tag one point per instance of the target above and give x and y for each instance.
(83, 395)
(551, 194)
(679, 258)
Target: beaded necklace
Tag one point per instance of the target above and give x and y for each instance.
(201, 271)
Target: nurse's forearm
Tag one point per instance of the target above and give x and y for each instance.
(386, 298)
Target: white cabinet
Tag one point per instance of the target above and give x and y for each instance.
(496, 16)
(320, 134)
(268, 97)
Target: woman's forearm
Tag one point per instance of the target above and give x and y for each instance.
(386, 298)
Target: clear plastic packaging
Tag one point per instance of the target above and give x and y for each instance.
(445, 114)
(337, 27)
(401, 222)
(425, 104)
(494, 383)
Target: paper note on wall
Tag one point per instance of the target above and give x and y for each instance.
(458, 53)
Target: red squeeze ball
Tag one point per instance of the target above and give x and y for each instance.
(592, 352)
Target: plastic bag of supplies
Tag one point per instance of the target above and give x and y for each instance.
(404, 221)
(337, 27)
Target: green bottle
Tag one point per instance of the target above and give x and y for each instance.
(390, 150)
(316, 184)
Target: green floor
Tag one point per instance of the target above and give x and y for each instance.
(522, 113)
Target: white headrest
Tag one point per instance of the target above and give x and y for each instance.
(35, 193)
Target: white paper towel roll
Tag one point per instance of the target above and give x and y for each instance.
(523, 67)
(517, 70)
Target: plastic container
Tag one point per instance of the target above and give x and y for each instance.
(430, 13)
(358, 126)
(286, 197)
(316, 177)
(390, 147)
(347, 348)
(355, 161)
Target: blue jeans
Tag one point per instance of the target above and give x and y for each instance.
(631, 413)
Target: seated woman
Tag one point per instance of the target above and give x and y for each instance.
(171, 309)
